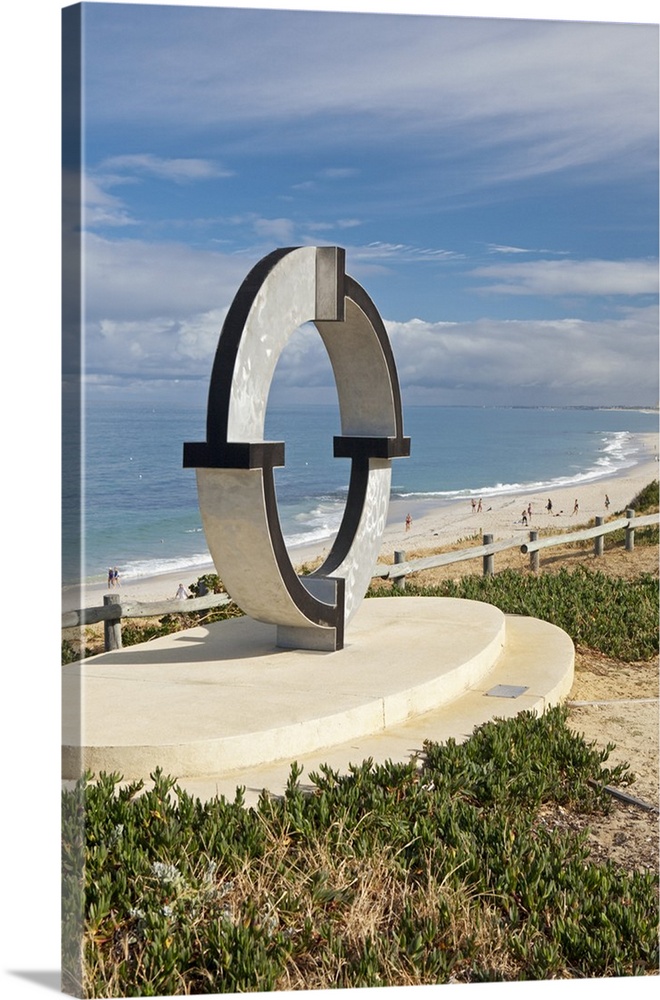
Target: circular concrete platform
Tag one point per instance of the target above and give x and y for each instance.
(223, 697)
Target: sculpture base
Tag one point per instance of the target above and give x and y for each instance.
(223, 698)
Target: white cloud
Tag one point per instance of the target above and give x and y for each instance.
(178, 169)
(569, 361)
(499, 362)
(156, 346)
(318, 227)
(102, 208)
(134, 280)
(281, 230)
(571, 277)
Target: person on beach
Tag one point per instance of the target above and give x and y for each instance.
(479, 507)
(111, 578)
(548, 506)
(474, 505)
(576, 507)
(408, 522)
(115, 577)
(529, 511)
(524, 516)
(182, 593)
(607, 502)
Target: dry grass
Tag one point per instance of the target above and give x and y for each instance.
(614, 562)
(363, 899)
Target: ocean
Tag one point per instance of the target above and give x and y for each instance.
(140, 504)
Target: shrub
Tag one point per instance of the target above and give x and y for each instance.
(392, 874)
(208, 583)
(647, 500)
(69, 652)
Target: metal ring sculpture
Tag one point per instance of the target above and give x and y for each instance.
(234, 466)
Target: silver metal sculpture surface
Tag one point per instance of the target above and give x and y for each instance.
(234, 466)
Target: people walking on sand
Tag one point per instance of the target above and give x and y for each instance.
(576, 507)
(529, 511)
(408, 522)
(474, 505)
(479, 507)
(111, 578)
(548, 506)
(524, 516)
(115, 577)
(607, 502)
(182, 593)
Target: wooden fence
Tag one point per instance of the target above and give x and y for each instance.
(401, 568)
(115, 608)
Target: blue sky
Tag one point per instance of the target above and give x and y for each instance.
(494, 182)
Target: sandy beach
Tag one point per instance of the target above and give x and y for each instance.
(436, 526)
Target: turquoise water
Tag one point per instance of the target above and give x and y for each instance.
(140, 506)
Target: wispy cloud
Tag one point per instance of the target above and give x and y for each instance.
(338, 173)
(498, 248)
(318, 227)
(178, 169)
(281, 230)
(536, 97)
(569, 277)
(102, 208)
(380, 251)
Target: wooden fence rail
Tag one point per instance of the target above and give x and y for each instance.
(400, 569)
(115, 608)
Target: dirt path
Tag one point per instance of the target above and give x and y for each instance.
(626, 714)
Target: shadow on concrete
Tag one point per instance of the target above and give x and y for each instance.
(233, 639)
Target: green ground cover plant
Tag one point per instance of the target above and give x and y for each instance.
(435, 871)
(647, 500)
(611, 615)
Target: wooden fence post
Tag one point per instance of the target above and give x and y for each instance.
(112, 626)
(599, 540)
(489, 561)
(630, 531)
(534, 556)
(399, 581)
